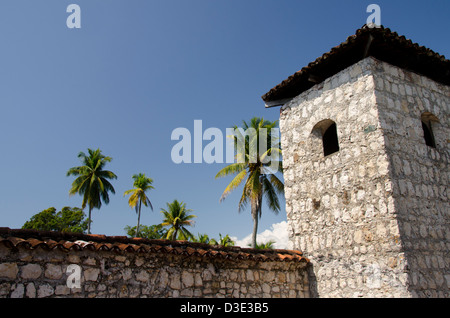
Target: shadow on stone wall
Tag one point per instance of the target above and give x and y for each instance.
(313, 292)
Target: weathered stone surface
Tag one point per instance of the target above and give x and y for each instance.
(18, 291)
(91, 274)
(187, 279)
(31, 290)
(8, 270)
(62, 290)
(142, 276)
(45, 290)
(53, 271)
(31, 271)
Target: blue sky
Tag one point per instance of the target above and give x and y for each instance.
(137, 70)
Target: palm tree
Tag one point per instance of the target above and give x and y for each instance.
(92, 181)
(141, 185)
(255, 169)
(177, 217)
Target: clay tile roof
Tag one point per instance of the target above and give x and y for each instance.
(70, 245)
(35, 243)
(190, 250)
(32, 239)
(12, 241)
(201, 252)
(380, 43)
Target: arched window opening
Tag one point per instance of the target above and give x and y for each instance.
(330, 140)
(427, 125)
(428, 135)
(327, 130)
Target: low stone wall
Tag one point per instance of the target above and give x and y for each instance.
(129, 270)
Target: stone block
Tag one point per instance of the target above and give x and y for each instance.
(53, 271)
(45, 290)
(8, 270)
(31, 271)
(187, 279)
(91, 274)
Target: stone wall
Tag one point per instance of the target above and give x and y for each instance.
(420, 174)
(343, 209)
(42, 272)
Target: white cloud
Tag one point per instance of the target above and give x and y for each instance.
(278, 233)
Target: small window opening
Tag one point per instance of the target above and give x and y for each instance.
(427, 126)
(330, 140)
(428, 135)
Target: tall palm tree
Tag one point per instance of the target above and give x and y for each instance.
(255, 169)
(92, 181)
(138, 196)
(177, 217)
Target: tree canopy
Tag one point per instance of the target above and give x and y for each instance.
(67, 220)
(177, 218)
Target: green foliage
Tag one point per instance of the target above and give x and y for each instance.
(264, 246)
(223, 241)
(152, 232)
(201, 238)
(92, 181)
(177, 218)
(66, 220)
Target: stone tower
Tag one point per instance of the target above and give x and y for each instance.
(365, 138)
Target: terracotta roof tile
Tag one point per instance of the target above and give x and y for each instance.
(380, 43)
(190, 250)
(71, 245)
(35, 243)
(32, 239)
(201, 252)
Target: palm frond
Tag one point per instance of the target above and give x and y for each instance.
(230, 169)
(148, 203)
(107, 185)
(128, 192)
(271, 197)
(244, 199)
(278, 185)
(233, 184)
(276, 152)
(106, 174)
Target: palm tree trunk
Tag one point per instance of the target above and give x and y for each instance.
(255, 230)
(256, 213)
(89, 223)
(139, 218)
(254, 207)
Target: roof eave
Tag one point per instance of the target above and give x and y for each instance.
(379, 43)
